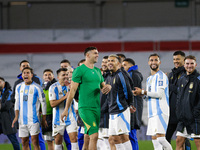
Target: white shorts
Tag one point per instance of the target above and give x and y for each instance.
(58, 129)
(73, 127)
(103, 132)
(26, 130)
(48, 136)
(157, 125)
(119, 123)
(186, 135)
(82, 130)
(61, 129)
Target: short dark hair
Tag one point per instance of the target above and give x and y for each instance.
(81, 61)
(129, 60)
(61, 69)
(29, 68)
(179, 53)
(23, 61)
(105, 57)
(121, 55)
(113, 55)
(190, 57)
(89, 49)
(65, 61)
(154, 54)
(47, 70)
(1, 78)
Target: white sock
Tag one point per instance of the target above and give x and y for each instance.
(107, 143)
(58, 147)
(99, 143)
(119, 146)
(74, 146)
(127, 145)
(164, 143)
(102, 144)
(157, 145)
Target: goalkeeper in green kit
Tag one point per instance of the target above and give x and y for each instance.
(89, 81)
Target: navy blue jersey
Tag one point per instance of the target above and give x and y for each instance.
(120, 96)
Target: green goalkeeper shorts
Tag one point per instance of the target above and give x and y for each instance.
(91, 119)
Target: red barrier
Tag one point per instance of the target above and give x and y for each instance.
(60, 47)
(138, 46)
(102, 47)
(173, 45)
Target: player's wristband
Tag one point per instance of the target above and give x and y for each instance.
(142, 92)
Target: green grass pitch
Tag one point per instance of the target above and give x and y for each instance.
(143, 145)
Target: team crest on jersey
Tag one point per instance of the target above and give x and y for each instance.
(94, 124)
(31, 92)
(160, 83)
(21, 91)
(65, 91)
(26, 91)
(191, 85)
(60, 93)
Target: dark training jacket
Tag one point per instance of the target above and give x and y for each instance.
(7, 111)
(174, 77)
(120, 97)
(188, 98)
(104, 119)
(136, 118)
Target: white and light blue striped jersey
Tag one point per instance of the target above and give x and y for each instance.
(158, 94)
(56, 92)
(28, 99)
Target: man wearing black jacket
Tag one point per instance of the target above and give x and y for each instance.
(174, 76)
(136, 118)
(104, 118)
(7, 114)
(188, 104)
(119, 100)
